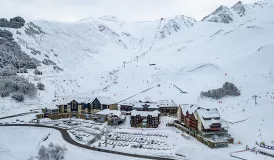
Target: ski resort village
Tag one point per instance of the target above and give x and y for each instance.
(104, 88)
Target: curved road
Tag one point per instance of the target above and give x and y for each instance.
(68, 139)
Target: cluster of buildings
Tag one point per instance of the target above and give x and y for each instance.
(204, 124)
(99, 109)
(146, 113)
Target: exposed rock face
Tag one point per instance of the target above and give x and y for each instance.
(220, 15)
(16, 22)
(168, 26)
(239, 8)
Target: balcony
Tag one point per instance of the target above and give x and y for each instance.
(215, 129)
(211, 132)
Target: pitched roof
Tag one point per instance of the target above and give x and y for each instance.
(108, 111)
(60, 100)
(212, 115)
(145, 113)
(141, 105)
(105, 100)
(191, 108)
(209, 113)
(128, 103)
(166, 103)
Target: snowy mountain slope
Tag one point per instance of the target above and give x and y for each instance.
(239, 12)
(198, 57)
(220, 15)
(168, 26)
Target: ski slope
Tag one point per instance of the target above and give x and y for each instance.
(107, 57)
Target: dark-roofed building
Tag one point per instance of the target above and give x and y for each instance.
(145, 119)
(167, 107)
(126, 106)
(145, 106)
(102, 103)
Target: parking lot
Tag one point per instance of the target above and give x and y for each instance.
(136, 140)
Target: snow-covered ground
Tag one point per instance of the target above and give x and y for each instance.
(102, 57)
(24, 142)
(251, 155)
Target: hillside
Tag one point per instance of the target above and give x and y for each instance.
(107, 57)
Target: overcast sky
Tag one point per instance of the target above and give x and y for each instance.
(127, 10)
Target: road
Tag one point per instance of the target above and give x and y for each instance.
(68, 139)
(18, 115)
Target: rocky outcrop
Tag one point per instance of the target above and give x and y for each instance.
(220, 15)
(171, 25)
(239, 8)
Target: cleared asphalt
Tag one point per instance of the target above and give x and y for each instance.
(68, 139)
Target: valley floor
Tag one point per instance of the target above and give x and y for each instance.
(24, 142)
(13, 138)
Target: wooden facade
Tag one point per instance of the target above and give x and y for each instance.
(96, 104)
(192, 122)
(167, 107)
(168, 110)
(126, 108)
(203, 124)
(187, 117)
(146, 120)
(145, 106)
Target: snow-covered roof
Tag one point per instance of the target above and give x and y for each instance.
(67, 99)
(209, 113)
(191, 108)
(108, 112)
(208, 123)
(128, 103)
(141, 105)
(145, 113)
(212, 116)
(106, 100)
(166, 103)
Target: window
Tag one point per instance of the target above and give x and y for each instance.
(74, 106)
